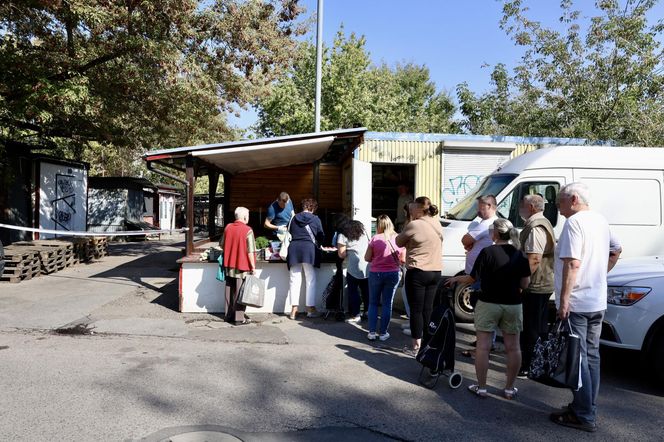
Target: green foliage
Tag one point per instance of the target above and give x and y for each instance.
(105, 81)
(354, 93)
(604, 83)
(262, 242)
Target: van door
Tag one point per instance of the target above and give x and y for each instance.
(548, 187)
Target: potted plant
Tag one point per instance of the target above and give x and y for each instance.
(262, 243)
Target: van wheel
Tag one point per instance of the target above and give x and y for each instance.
(462, 308)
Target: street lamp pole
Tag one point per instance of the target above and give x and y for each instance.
(319, 62)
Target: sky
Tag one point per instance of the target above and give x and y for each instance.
(458, 40)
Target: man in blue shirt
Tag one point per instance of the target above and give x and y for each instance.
(279, 214)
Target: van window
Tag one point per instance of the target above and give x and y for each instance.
(466, 209)
(509, 206)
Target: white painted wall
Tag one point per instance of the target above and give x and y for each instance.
(62, 198)
(201, 292)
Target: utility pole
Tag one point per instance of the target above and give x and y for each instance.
(319, 62)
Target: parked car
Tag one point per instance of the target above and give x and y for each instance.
(634, 317)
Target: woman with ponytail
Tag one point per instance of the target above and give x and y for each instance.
(503, 271)
(423, 239)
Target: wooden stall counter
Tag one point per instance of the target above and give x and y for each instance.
(200, 291)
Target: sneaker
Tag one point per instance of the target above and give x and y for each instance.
(384, 337)
(314, 314)
(354, 319)
(523, 374)
(406, 331)
(410, 351)
(372, 336)
(405, 325)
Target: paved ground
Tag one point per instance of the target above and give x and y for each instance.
(147, 371)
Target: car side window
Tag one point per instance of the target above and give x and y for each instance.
(509, 206)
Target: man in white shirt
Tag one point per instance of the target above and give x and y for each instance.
(585, 253)
(478, 237)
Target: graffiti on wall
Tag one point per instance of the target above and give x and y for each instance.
(457, 187)
(64, 202)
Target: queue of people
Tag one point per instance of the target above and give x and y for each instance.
(513, 273)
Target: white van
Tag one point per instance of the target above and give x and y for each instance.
(626, 185)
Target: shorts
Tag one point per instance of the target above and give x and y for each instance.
(506, 317)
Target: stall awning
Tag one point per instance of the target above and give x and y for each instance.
(266, 156)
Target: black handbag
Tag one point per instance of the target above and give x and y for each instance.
(556, 359)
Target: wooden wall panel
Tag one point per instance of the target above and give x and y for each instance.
(329, 192)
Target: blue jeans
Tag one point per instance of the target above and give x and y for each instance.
(382, 286)
(588, 326)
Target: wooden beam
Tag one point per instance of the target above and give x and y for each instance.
(213, 181)
(191, 180)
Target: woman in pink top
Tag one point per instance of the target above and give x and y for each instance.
(385, 258)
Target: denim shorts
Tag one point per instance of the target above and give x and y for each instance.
(507, 317)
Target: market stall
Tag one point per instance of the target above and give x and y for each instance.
(253, 172)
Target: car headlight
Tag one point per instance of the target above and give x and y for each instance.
(626, 295)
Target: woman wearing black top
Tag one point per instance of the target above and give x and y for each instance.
(503, 271)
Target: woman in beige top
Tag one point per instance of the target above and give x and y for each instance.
(423, 240)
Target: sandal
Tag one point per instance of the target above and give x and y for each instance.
(569, 419)
(510, 393)
(478, 391)
(467, 353)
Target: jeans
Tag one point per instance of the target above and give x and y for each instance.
(382, 286)
(588, 326)
(296, 271)
(421, 289)
(355, 286)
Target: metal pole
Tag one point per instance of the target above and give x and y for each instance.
(319, 62)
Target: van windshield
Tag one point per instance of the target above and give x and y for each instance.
(466, 209)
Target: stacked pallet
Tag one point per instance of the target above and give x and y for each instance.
(53, 255)
(20, 264)
(25, 259)
(89, 248)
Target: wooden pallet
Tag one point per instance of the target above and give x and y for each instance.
(20, 264)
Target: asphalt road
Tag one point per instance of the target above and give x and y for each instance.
(150, 372)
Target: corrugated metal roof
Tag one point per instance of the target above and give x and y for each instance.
(412, 136)
(241, 143)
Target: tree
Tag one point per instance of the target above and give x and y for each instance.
(98, 79)
(354, 93)
(606, 83)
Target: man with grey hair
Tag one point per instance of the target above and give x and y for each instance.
(585, 253)
(538, 243)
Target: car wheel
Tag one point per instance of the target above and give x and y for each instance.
(462, 308)
(657, 358)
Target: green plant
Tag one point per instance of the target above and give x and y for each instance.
(262, 242)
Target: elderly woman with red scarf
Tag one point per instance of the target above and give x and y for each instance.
(239, 261)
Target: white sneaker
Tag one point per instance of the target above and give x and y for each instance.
(354, 319)
(384, 337)
(406, 331)
(372, 336)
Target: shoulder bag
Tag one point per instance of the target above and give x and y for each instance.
(285, 242)
(395, 256)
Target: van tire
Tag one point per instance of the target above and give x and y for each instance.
(462, 308)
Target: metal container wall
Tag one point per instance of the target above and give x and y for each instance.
(425, 155)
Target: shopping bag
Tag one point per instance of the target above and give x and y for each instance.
(252, 291)
(221, 273)
(557, 358)
(285, 242)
